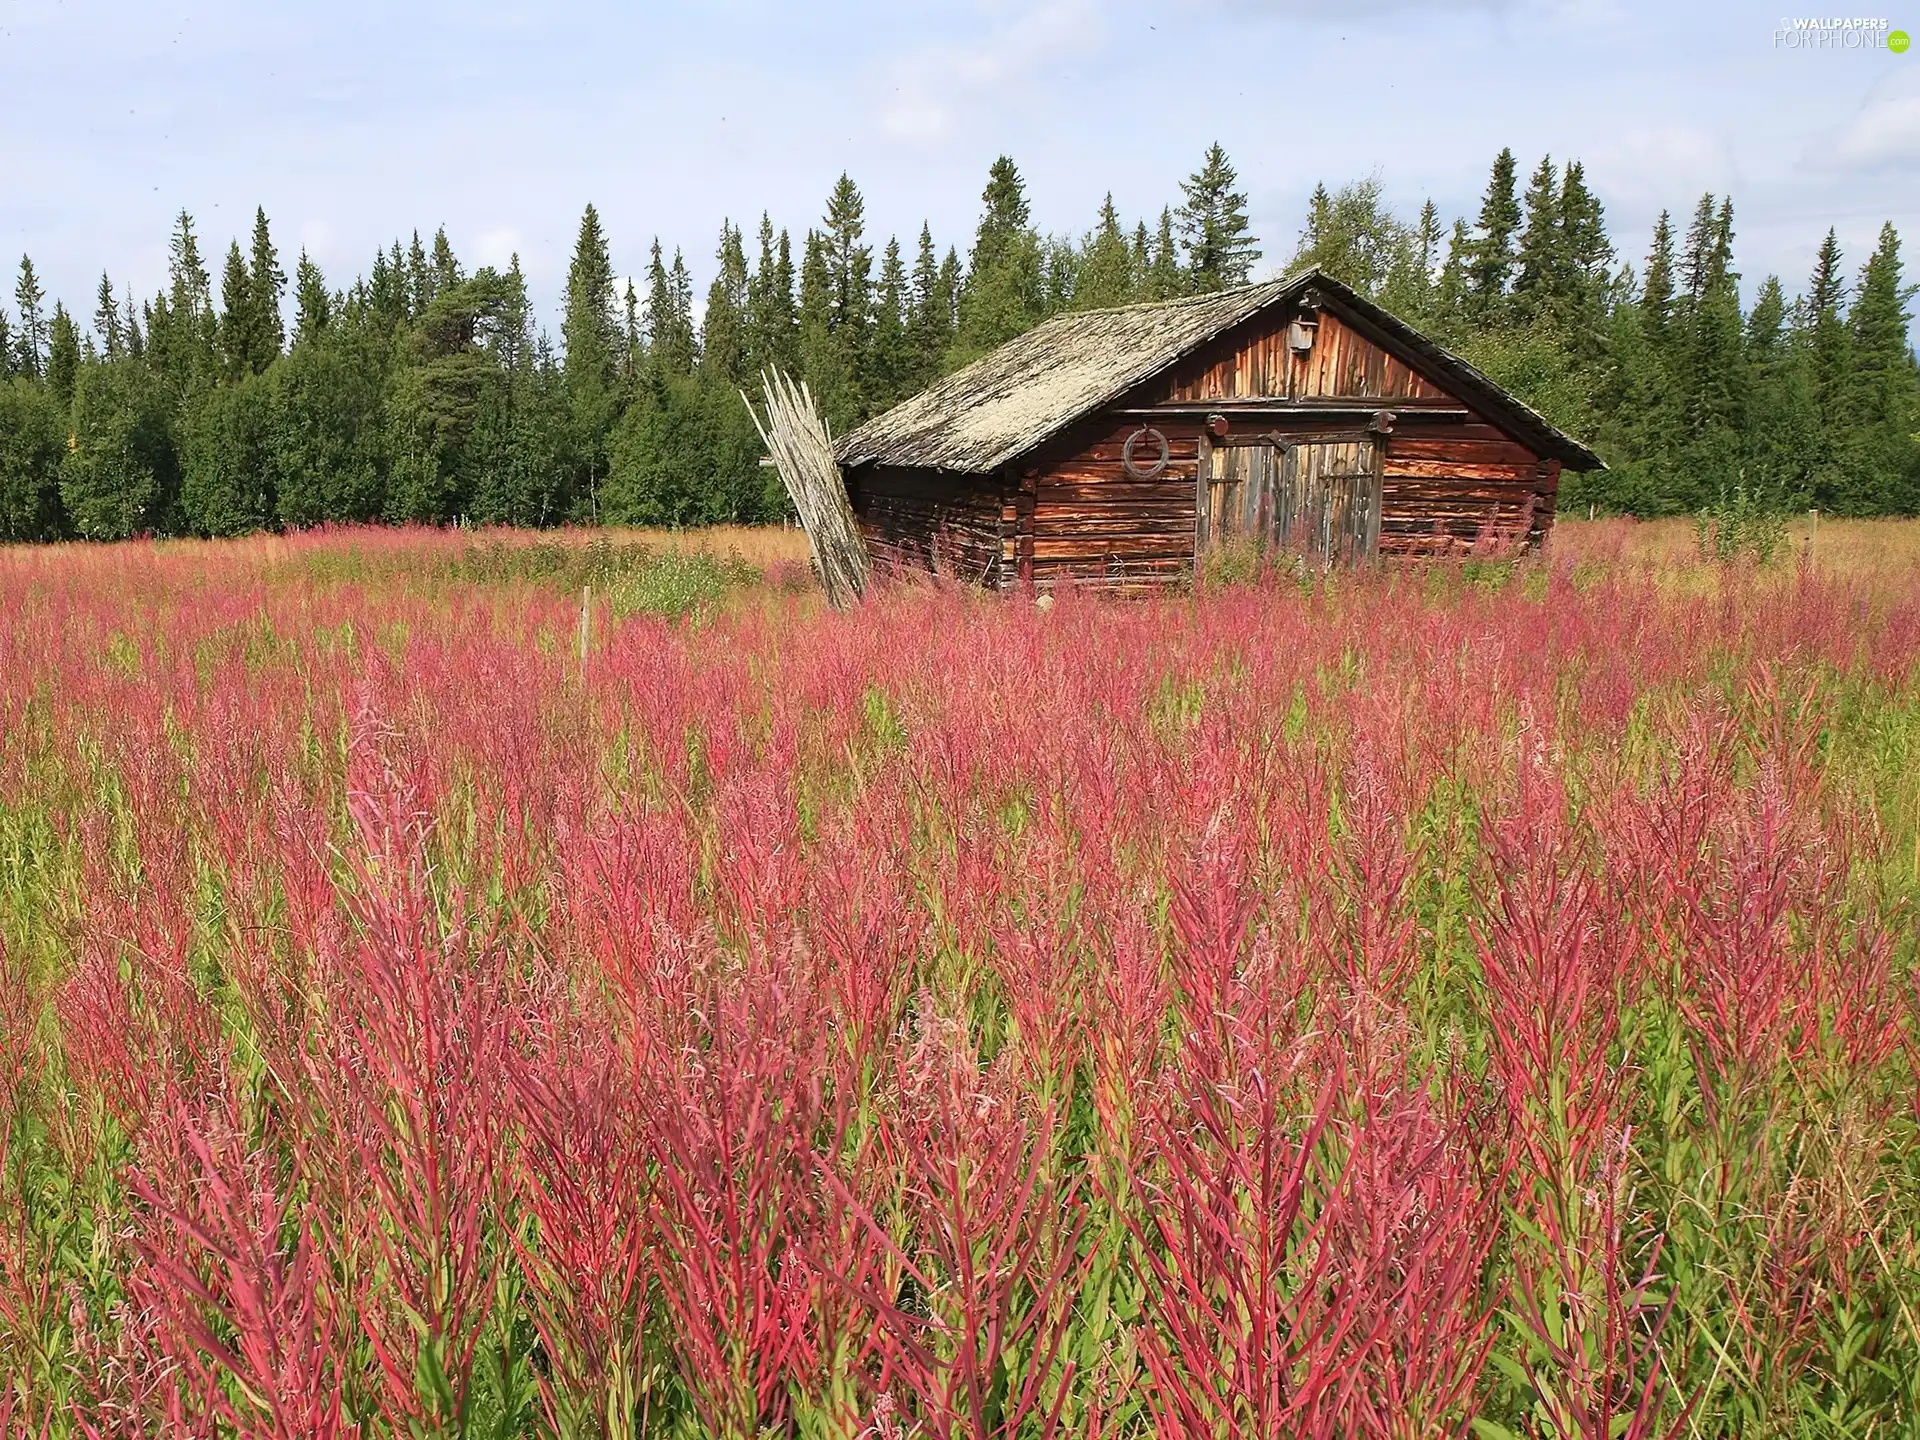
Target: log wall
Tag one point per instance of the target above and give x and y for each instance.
(930, 521)
(1445, 487)
(1080, 516)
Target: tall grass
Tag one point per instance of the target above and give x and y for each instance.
(1440, 1002)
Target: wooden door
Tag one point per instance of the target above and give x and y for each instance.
(1317, 496)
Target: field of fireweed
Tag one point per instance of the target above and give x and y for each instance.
(1474, 999)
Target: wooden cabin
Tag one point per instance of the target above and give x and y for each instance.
(1117, 446)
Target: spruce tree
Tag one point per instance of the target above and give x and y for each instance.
(1490, 264)
(1003, 293)
(822, 361)
(771, 319)
(1140, 258)
(724, 325)
(1782, 429)
(1214, 226)
(685, 339)
(184, 332)
(948, 290)
(63, 354)
(668, 316)
(588, 333)
(1165, 278)
(237, 322)
(1106, 268)
(6, 345)
(135, 342)
(1450, 292)
(268, 287)
(1824, 333)
(313, 306)
(446, 269)
(30, 346)
(1540, 288)
(930, 327)
(106, 319)
(1656, 291)
(1586, 254)
(849, 263)
(890, 370)
(1881, 390)
(420, 279)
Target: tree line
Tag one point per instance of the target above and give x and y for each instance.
(1691, 398)
(426, 392)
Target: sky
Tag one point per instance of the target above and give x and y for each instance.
(353, 121)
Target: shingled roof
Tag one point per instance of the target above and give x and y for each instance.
(1015, 398)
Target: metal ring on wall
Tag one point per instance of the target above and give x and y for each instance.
(1136, 470)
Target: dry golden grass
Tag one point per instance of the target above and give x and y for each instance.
(1867, 549)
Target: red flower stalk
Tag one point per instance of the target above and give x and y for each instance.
(226, 1278)
(989, 1249)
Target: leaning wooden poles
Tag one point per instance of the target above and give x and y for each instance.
(802, 449)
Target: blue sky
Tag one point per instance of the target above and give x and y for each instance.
(353, 121)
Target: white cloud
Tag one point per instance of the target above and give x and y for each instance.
(1885, 135)
(1660, 166)
(932, 91)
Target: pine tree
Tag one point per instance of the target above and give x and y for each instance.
(30, 347)
(1140, 259)
(237, 323)
(1214, 226)
(106, 319)
(930, 327)
(6, 346)
(269, 286)
(724, 324)
(1490, 262)
(1003, 294)
(890, 370)
(313, 307)
(63, 354)
(1106, 268)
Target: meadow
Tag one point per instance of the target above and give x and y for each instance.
(1478, 999)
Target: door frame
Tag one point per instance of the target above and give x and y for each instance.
(1285, 444)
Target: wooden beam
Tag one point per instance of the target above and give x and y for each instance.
(1336, 408)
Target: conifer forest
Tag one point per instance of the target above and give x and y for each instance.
(277, 397)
